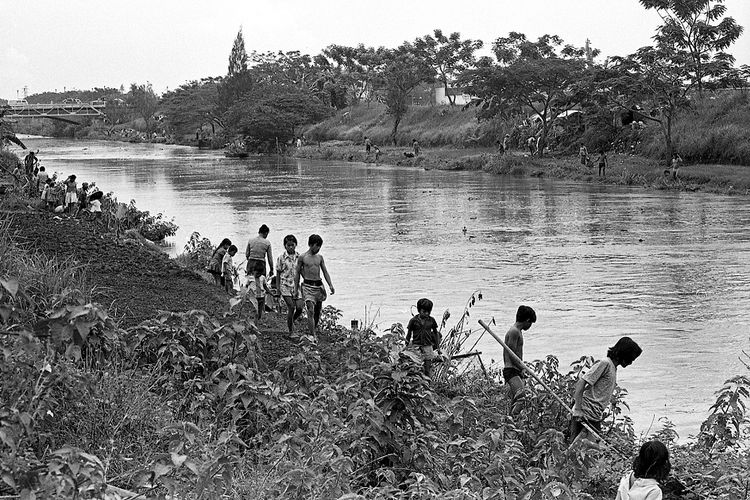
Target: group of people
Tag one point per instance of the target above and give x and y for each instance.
(60, 196)
(290, 268)
(587, 161)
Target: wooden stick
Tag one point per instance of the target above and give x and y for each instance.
(536, 377)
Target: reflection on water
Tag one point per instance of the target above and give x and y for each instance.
(596, 262)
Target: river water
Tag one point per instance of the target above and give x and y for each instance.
(671, 270)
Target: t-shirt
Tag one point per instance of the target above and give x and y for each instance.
(95, 206)
(637, 488)
(257, 248)
(226, 265)
(424, 331)
(602, 378)
(43, 176)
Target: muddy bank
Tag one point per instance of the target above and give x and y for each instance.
(622, 169)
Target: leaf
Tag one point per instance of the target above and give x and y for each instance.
(73, 352)
(10, 285)
(161, 470)
(178, 459)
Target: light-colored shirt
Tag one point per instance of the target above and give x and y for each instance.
(602, 379)
(257, 248)
(226, 265)
(638, 488)
(285, 266)
(95, 206)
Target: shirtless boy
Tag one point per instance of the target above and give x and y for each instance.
(309, 266)
(513, 372)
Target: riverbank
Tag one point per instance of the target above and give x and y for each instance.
(622, 169)
(193, 402)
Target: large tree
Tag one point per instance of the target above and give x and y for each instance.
(191, 106)
(144, 101)
(402, 72)
(543, 77)
(447, 55)
(701, 29)
(238, 80)
(357, 68)
(238, 56)
(654, 80)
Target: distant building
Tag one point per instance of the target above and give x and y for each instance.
(440, 97)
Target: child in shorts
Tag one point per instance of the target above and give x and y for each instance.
(309, 266)
(227, 269)
(285, 267)
(513, 373)
(422, 334)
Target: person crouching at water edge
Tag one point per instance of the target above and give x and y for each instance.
(593, 391)
(309, 266)
(513, 373)
(422, 334)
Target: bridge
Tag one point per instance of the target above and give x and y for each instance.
(56, 111)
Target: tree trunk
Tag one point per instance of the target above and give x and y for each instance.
(451, 99)
(396, 121)
(543, 140)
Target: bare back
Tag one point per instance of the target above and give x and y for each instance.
(514, 340)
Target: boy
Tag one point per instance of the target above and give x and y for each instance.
(602, 164)
(257, 250)
(227, 269)
(593, 391)
(308, 267)
(285, 269)
(260, 296)
(583, 154)
(423, 330)
(512, 371)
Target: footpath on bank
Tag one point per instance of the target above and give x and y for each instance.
(622, 169)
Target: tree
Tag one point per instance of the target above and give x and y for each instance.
(191, 106)
(356, 68)
(447, 55)
(653, 78)
(238, 56)
(271, 114)
(699, 28)
(402, 73)
(537, 76)
(144, 101)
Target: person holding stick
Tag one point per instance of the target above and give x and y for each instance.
(513, 372)
(593, 391)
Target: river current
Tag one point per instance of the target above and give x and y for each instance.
(671, 270)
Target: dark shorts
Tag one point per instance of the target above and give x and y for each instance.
(509, 373)
(576, 426)
(256, 267)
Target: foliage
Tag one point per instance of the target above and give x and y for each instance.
(402, 72)
(699, 28)
(191, 106)
(537, 76)
(144, 101)
(120, 217)
(447, 55)
(356, 69)
(238, 56)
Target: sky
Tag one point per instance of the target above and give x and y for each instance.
(48, 45)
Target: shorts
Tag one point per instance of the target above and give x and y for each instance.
(313, 293)
(576, 426)
(425, 351)
(256, 267)
(509, 373)
(71, 198)
(288, 291)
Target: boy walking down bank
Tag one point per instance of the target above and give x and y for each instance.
(593, 391)
(512, 371)
(422, 334)
(309, 266)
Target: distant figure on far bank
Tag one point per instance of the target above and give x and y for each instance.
(368, 145)
(506, 143)
(258, 249)
(676, 164)
(377, 153)
(309, 266)
(583, 154)
(415, 146)
(531, 144)
(513, 373)
(602, 161)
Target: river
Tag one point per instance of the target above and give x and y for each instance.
(671, 270)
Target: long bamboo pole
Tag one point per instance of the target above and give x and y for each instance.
(546, 387)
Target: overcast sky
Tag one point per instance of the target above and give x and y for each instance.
(55, 44)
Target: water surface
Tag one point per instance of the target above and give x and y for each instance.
(671, 270)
